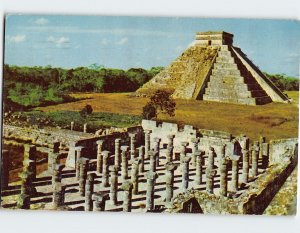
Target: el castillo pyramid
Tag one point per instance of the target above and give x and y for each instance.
(212, 69)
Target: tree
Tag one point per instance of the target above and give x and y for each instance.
(162, 102)
(87, 110)
(149, 111)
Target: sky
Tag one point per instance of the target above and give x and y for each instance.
(125, 42)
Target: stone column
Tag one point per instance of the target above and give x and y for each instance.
(56, 174)
(117, 152)
(124, 169)
(198, 178)
(23, 201)
(261, 141)
(255, 152)
(72, 125)
(58, 195)
(147, 143)
(26, 183)
(265, 155)
(29, 165)
(142, 158)
(53, 159)
(89, 190)
(99, 156)
(85, 127)
(99, 200)
(171, 140)
(152, 165)
(223, 176)
(113, 194)
(30, 159)
(157, 150)
(245, 174)
(151, 177)
(170, 168)
(211, 158)
(83, 168)
(135, 176)
(235, 172)
(4, 172)
(183, 150)
(170, 148)
(194, 145)
(105, 175)
(244, 142)
(185, 173)
(127, 196)
(210, 173)
(132, 145)
(78, 150)
(221, 157)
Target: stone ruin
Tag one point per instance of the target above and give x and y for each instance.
(212, 69)
(156, 167)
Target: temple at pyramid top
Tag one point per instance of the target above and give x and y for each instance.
(214, 38)
(213, 69)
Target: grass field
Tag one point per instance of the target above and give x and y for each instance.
(275, 120)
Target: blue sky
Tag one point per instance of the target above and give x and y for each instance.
(125, 42)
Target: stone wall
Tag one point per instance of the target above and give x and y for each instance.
(207, 203)
(281, 150)
(162, 130)
(262, 191)
(207, 137)
(42, 137)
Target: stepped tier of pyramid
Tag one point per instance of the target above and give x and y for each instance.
(212, 69)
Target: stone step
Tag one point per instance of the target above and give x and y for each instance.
(224, 72)
(222, 65)
(241, 86)
(226, 93)
(239, 93)
(227, 78)
(258, 93)
(263, 100)
(224, 53)
(224, 47)
(248, 101)
(225, 59)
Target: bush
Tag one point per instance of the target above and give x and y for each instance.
(87, 110)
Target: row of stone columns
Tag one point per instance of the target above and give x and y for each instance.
(84, 126)
(130, 187)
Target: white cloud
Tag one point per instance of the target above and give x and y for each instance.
(113, 31)
(104, 41)
(60, 42)
(124, 40)
(292, 57)
(41, 21)
(16, 38)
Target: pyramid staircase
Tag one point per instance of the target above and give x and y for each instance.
(231, 82)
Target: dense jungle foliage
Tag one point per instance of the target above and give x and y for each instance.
(27, 87)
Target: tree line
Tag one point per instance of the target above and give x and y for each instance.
(26, 87)
(284, 82)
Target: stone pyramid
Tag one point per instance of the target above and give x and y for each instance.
(212, 69)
